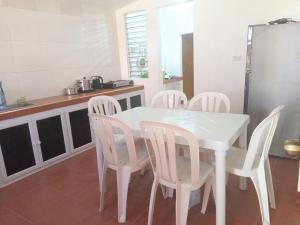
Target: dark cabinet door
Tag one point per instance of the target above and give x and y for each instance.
(17, 148)
(51, 136)
(80, 127)
(135, 101)
(123, 104)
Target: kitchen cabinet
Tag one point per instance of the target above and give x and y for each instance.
(123, 104)
(51, 137)
(17, 149)
(33, 141)
(135, 101)
(80, 128)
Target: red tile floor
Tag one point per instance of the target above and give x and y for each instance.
(67, 194)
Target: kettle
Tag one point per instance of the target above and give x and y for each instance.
(84, 85)
(97, 82)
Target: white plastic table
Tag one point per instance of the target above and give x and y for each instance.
(215, 131)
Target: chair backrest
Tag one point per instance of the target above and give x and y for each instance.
(104, 105)
(162, 138)
(170, 99)
(106, 128)
(210, 102)
(261, 140)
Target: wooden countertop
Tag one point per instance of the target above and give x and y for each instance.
(172, 80)
(44, 104)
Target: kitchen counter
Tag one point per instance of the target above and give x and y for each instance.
(44, 104)
(172, 80)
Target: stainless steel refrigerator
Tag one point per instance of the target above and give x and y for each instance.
(273, 78)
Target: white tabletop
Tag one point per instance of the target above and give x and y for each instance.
(213, 130)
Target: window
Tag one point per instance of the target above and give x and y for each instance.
(137, 44)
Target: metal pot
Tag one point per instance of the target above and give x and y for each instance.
(292, 147)
(84, 85)
(71, 91)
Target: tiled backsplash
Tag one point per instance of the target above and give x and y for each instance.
(46, 45)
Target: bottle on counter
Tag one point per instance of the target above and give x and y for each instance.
(2, 96)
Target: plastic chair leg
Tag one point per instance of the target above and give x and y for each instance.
(243, 183)
(260, 185)
(207, 188)
(142, 171)
(183, 194)
(123, 178)
(298, 188)
(103, 187)
(163, 191)
(270, 186)
(170, 192)
(152, 200)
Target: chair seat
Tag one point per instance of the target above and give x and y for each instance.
(141, 152)
(184, 169)
(235, 160)
(119, 138)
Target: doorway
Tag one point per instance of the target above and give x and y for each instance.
(176, 28)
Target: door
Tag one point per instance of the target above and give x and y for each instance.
(188, 64)
(275, 79)
(51, 137)
(17, 149)
(135, 101)
(123, 104)
(80, 128)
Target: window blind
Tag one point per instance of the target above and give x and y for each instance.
(137, 44)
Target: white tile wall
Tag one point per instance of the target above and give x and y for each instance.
(23, 24)
(51, 6)
(6, 57)
(4, 31)
(45, 49)
(51, 28)
(27, 56)
(24, 4)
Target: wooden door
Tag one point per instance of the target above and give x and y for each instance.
(188, 65)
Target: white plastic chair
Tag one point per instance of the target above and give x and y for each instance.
(104, 105)
(123, 158)
(173, 171)
(169, 99)
(254, 162)
(210, 102)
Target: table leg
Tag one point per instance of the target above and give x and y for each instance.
(220, 187)
(243, 145)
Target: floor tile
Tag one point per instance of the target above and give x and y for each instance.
(68, 194)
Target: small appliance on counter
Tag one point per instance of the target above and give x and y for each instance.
(118, 83)
(84, 85)
(97, 82)
(71, 90)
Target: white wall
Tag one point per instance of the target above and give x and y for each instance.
(220, 31)
(220, 39)
(45, 45)
(174, 21)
